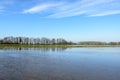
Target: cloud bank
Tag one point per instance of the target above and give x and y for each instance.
(68, 8)
(81, 7)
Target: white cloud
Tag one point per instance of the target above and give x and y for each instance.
(38, 8)
(65, 8)
(86, 7)
(107, 13)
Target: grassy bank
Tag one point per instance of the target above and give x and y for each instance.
(51, 46)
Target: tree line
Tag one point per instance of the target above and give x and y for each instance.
(27, 40)
(98, 43)
(47, 41)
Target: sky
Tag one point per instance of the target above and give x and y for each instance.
(75, 20)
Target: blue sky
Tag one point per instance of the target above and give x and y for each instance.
(76, 20)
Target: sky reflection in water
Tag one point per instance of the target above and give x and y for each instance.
(60, 64)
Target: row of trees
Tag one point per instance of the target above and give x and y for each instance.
(26, 40)
(98, 43)
(44, 41)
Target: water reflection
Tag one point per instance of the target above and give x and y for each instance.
(73, 64)
(40, 49)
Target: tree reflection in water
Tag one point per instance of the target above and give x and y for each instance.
(40, 49)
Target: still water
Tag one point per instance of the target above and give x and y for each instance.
(60, 64)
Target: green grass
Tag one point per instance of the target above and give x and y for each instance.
(31, 46)
(51, 46)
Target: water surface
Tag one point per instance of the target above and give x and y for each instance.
(60, 64)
